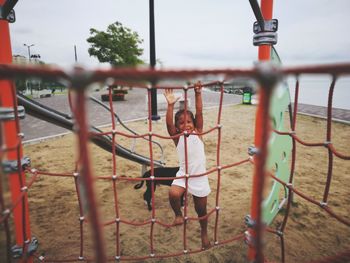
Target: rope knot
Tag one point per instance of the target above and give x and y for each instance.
(323, 204)
(6, 212)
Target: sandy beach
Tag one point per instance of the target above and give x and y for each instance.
(310, 234)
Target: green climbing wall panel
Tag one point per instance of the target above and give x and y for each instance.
(279, 151)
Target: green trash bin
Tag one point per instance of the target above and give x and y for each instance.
(247, 95)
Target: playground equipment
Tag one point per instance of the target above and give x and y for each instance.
(118, 93)
(220, 167)
(48, 114)
(266, 75)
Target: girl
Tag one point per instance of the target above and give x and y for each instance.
(198, 186)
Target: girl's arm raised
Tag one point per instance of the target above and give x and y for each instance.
(171, 99)
(199, 106)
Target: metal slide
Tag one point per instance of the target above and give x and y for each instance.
(55, 117)
(126, 127)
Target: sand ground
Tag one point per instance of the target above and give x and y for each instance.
(310, 234)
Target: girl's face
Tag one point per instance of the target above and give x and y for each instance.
(182, 126)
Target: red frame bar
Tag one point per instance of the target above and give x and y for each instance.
(262, 130)
(11, 140)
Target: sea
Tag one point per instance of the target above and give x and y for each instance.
(314, 90)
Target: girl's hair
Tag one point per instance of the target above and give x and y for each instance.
(180, 112)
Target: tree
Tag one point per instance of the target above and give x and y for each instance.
(118, 46)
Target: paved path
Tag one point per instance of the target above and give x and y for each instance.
(337, 114)
(134, 107)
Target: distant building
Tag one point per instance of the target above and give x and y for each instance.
(33, 83)
(36, 87)
(19, 59)
(22, 60)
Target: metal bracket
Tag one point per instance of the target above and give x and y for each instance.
(269, 26)
(252, 150)
(265, 38)
(12, 166)
(248, 239)
(7, 114)
(11, 17)
(267, 35)
(17, 251)
(249, 221)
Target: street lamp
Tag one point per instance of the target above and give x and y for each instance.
(28, 46)
(28, 82)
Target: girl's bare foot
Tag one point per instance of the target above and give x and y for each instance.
(178, 220)
(205, 242)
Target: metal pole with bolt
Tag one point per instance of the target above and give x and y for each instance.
(154, 109)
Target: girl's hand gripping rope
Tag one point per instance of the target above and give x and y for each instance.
(198, 87)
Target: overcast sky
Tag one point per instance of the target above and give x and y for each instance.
(189, 33)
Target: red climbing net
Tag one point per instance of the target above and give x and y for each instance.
(79, 79)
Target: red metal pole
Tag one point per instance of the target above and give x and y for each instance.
(266, 9)
(16, 181)
(261, 130)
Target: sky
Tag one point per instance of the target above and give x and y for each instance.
(189, 33)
